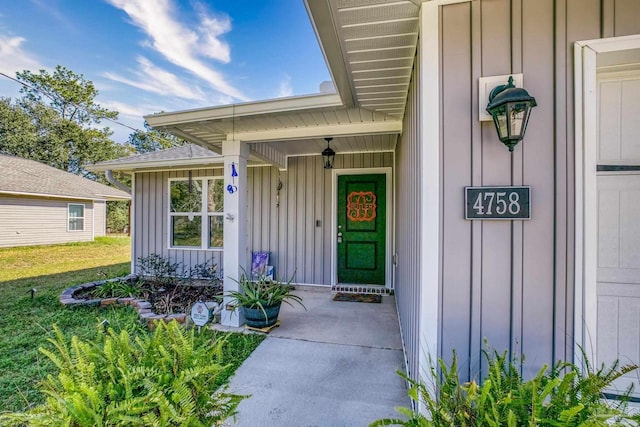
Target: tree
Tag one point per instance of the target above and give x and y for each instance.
(55, 122)
(67, 92)
(148, 140)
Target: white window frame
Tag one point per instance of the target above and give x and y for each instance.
(203, 214)
(83, 217)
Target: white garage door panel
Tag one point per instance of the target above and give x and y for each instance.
(618, 224)
(618, 334)
(618, 123)
(618, 338)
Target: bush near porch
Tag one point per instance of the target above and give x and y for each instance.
(26, 323)
(562, 395)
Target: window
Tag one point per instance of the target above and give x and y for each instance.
(196, 213)
(75, 216)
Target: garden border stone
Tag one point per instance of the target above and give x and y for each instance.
(143, 308)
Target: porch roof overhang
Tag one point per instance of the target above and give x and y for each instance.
(369, 46)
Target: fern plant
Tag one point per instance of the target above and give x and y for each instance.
(561, 396)
(168, 378)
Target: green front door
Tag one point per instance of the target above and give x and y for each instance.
(362, 211)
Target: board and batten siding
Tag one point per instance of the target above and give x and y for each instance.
(298, 232)
(299, 247)
(408, 287)
(27, 221)
(150, 220)
(511, 282)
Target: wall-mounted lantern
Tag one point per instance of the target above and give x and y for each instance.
(510, 108)
(328, 155)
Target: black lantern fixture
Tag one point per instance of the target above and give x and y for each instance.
(328, 155)
(510, 108)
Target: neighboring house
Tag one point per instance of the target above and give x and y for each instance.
(42, 205)
(408, 127)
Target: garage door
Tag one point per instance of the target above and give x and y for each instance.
(618, 181)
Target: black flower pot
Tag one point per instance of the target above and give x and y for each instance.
(255, 317)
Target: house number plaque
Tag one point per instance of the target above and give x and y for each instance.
(497, 203)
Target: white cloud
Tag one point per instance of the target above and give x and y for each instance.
(13, 58)
(285, 88)
(154, 79)
(181, 45)
(131, 111)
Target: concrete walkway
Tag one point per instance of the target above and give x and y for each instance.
(333, 365)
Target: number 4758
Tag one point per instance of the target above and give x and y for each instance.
(487, 201)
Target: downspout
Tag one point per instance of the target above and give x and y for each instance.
(109, 175)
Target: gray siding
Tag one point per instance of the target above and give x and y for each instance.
(287, 231)
(99, 218)
(151, 215)
(511, 283)
(407, 227)
(27, 221)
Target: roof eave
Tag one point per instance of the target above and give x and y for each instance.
(63, 196)
(296, 103)
(323, 22)
(125, 167)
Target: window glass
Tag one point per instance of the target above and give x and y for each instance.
(76, 217)
(215, 198)
(185, 199)
(189, 214)
(186, 231)
(216, 228)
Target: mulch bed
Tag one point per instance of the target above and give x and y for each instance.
(170, 298)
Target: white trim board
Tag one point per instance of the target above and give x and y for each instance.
(586, 221)
(389, 246)
(430, 232)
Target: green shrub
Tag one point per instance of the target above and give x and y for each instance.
(122, 288)
(167, 378)
(561, 396)
(117, 216)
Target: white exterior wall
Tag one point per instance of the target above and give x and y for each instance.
(27, 221)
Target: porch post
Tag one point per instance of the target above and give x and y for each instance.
(235, 222)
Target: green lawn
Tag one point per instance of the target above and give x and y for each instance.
(25, 324)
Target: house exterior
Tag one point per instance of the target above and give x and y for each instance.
(410, 131)
(42, 205)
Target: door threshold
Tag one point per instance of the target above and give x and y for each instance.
(361, 289)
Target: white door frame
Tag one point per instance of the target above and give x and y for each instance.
(586, 198)
(389, 247)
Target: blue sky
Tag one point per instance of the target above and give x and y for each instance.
(146, 56)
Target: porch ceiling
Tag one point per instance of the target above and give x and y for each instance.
(285, 127)
(369, 46)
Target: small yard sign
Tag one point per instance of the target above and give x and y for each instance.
(497, 203)
(200, 314)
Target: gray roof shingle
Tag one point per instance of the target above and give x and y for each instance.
(184, 152)
(23, 176)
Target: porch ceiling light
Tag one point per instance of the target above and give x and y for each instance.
(328, 155)
(510, 108)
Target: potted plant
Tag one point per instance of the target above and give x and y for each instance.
(260, 300)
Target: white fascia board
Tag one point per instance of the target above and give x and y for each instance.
(247, 109)
(370, 128)
(49, 196)
(321, 17)
(110, 197)
(200, 161)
